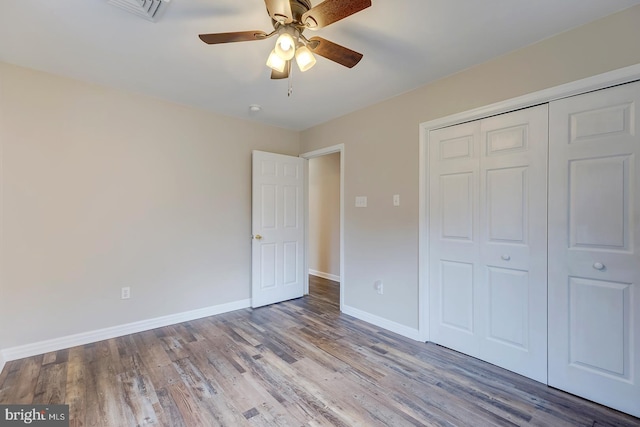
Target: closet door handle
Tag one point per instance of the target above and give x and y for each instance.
(506, 257)
(599, 266)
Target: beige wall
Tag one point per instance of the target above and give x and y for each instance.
(324, 214)
(104, 189)
(381, 151)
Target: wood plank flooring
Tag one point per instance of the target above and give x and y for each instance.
(298, 363)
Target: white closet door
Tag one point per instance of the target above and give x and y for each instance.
(454, 166)
(488, 212)
(594, 261)
(513, 241)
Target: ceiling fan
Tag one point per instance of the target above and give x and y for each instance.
(290, 18)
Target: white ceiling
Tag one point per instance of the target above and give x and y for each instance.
(406, 44)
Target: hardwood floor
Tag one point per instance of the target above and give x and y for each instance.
(296, 363)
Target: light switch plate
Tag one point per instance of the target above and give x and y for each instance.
(361, 201)
(396, 200)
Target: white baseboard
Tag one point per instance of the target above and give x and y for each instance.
(83, 338)
(389, 325)
(324, 275)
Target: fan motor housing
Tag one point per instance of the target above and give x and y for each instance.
(298, 8)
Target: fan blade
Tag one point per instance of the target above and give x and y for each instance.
(279, 10)
(330, 11)
(241, 36)
(330, 50)
(277, 75)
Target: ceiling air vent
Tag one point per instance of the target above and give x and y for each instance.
(147, 9)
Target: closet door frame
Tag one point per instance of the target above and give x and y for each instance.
(601, 81)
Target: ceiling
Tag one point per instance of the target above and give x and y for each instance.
(406, 44)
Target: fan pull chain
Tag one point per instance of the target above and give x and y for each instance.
(290, 90)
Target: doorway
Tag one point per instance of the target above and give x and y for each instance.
(325, 254)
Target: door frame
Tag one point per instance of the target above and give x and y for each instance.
(339, 148)
(600, 81)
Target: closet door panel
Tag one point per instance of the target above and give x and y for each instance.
(454, 242)
(513, 243)
(594, 261)
(488, 239)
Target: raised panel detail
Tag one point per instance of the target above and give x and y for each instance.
(290, 251)
(506, 204)
(457, 206)
(291, 213)
(269, 168)
(291, 171)
(603, 122)
(608, 327)
(507, 140)
(268, 258)
(457, 295)
(456, 148)
(599, 203)
(269, 206)
(509, 306)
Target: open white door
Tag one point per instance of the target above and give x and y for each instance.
(277, 228)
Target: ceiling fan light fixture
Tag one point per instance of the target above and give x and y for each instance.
(289, 19)
(305, 59)
(275, 62)
(285, 46)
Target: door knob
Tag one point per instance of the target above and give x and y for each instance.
(598, 266)
(506, 257)
(257, 237)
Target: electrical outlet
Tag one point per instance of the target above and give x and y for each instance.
(378, 286)
(125, 293)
